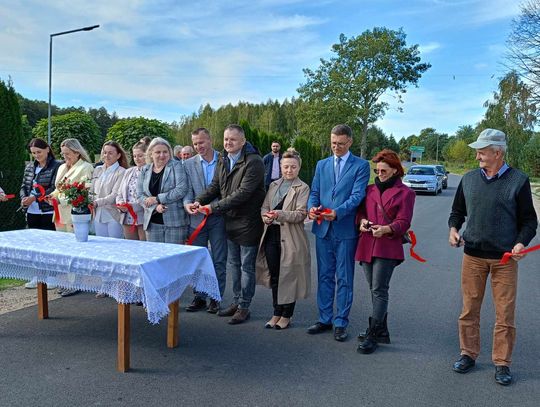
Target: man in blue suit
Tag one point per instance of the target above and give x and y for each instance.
(338, 188)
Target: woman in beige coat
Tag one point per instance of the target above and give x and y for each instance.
(284, 260)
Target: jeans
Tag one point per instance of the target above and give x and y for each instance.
(241, 267)
(378, 274)
(214, 232)
(109, 229)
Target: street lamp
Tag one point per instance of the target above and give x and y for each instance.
(90, 28)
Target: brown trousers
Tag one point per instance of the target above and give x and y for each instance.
(474, 274)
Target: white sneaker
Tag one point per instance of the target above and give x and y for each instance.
(31, 284)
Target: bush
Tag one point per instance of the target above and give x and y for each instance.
(71, 125)
(127, 132)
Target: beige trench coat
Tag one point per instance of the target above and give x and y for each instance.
(295, 271)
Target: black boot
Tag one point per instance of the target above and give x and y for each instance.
(381, 336)
(369, 344)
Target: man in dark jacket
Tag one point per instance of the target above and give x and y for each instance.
(272, 168)
(239, 186)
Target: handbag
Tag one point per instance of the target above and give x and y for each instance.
(406, 238)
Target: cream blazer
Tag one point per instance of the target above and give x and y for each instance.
(81, 171)
(104, 193)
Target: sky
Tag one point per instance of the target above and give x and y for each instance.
(163, 59)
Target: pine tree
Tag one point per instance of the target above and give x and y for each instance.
(12, 156)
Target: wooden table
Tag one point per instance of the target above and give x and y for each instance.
(149, 272)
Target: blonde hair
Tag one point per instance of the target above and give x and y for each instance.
(292, 153)
(74, 145)
(156, 142)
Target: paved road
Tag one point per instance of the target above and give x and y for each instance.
(69, 360)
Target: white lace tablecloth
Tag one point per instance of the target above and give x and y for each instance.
(129, 271)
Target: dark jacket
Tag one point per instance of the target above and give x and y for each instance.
(268, 161)
(45, 178)
(240, 195)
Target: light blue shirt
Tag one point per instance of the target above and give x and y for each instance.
(233, 158)
(209, 168)
(499, 174)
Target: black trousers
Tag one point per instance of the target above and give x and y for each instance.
(272, 249)
(44, 222)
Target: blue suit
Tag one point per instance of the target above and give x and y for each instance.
(336, 240)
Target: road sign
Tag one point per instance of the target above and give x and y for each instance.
(420, 149)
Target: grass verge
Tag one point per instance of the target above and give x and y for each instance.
(10, 282)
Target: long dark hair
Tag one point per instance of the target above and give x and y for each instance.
(40, 143)
(123, 161)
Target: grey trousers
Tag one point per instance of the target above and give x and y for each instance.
(378, 274)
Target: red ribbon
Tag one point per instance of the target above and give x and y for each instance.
(132, 213)
(320, 212)
(196, 232)
(41, 190)
(411, 249)
(506, 256)
(10, 196)
(57, 220)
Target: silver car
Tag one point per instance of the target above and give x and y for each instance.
(423, 178)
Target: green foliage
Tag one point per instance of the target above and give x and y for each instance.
(530, 158)
(77, 125)
(127, 132)
(348, 87)
(26, 129)
(104, 120)
(12, 156)
(272, 117)
(310, 152)
(458, 151)
(512, 112)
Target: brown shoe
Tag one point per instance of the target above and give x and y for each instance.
(241, 315)
(213, 307)
(229, 311)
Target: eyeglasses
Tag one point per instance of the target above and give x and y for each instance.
(377, 171)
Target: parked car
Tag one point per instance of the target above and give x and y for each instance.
(424, 178)
(442, 170)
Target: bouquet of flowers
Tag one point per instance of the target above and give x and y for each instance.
(77, 194)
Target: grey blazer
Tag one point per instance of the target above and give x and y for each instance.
(195, 175)
(174, 186)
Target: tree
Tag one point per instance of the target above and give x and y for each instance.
(512, 112)
(531, 156)
(348, 87)
(129, 131)
(12, 156)
(524, 46)
(71, 125)
(103, 119)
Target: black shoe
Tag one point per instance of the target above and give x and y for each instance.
(369, 344)
(464, 364)
(229, 311)
(381, 334)
(318, 328)
(213, 307)
(340, 334)
(197, 304)
(502, 375)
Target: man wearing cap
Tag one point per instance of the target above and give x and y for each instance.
(496, 201)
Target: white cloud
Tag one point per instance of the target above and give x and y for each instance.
(429, 47)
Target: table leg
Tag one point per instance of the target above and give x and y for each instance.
(122, 364)
(43, 304)
(172, 325)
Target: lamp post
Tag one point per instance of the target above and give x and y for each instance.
(90, 28)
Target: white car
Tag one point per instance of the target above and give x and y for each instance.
(423, 178)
